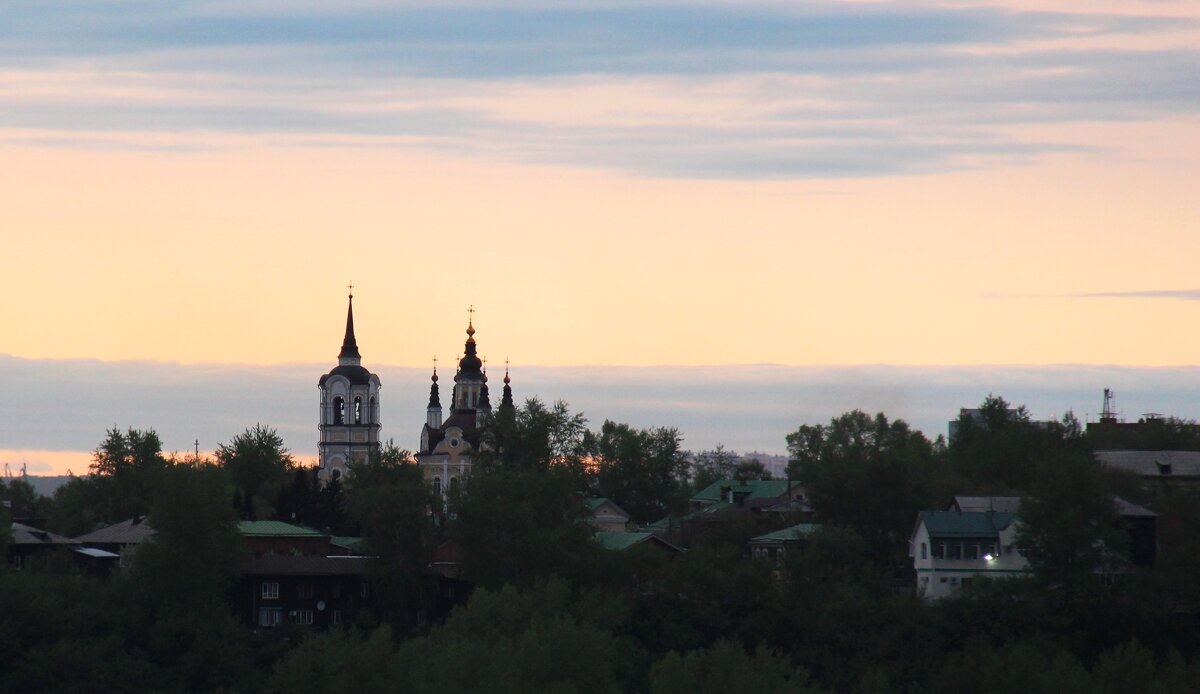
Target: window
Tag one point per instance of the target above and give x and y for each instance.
(939, 550)
(374, 412)
(970, 551)
(358, 410)
(304, 591)
(270, 616)
(364, 590)
(270, 591)
(336, 617)
(954, 550)
(339, 411)
(924, 550)
(989, 549)
(437, 486)
(302, 616)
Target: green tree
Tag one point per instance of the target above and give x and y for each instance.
(868, 474)
(1000, 451)
(1069, 526)
(520, 515)
(391, 503)
(712, 466)
(641, 470)
(726, 667)
(259, 466)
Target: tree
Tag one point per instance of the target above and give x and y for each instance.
(712, 466)
(391, 502)
(868, 474)
(726, 667)
(1069, 527)
(520, 515)
(259, 466)
(1001, 450)
(641, 470)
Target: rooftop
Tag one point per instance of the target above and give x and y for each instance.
(787, 534)
(967, 524)
(276, 529)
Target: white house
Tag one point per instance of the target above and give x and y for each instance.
(950, 548)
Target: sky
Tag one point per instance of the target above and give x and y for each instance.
(852, 192)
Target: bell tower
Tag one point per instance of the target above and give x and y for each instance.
(349, 418)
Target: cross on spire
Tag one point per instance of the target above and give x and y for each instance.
(351, 288)
(471, 315)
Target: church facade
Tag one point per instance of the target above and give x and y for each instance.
(449, 444)
(349, 415)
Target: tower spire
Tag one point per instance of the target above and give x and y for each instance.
(506, 401)
(349, 344)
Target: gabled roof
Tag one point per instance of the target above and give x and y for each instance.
(595, 502)
(953, 524)
(1012, 504)
(28, 535)
(791, 534)
(623, 540)
(1006, 504)
(276, 529)
(754, 489)
(1159, 464)
(127, 532)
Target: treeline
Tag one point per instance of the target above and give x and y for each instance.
(554, 612)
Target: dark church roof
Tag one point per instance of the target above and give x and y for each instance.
(357, 375)
(470, 365)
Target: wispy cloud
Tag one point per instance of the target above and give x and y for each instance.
(710, 90)
(1184, 294)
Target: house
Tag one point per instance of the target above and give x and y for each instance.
(1157, 470)
(775, 545)
(619, 540)
(736, 510)
(1139, 522)
(949, 549)
(607, 516)
(306, 590)
(119, 538)
(30, 547)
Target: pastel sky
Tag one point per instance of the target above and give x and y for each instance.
(609, 183)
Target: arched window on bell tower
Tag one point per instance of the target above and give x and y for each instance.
(339, 410)
(358, 412)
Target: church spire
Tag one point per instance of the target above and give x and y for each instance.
(434, 400)
(349, 344)
(485, 405)
(506, 402)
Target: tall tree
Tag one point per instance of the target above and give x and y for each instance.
(866, 473)
(259, 466)
(712, 466)
(391, 502)
(641, 470)
(1069, 527)
(125, 472)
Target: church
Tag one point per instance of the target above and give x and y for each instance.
(349, 421)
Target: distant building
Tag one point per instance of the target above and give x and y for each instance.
(951, 548)
(1157, 470)
(976, 538)
(449, 446)
(776, 545)
(607, 516)
(349, 421)
(745, 508)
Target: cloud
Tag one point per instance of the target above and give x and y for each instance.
(67, 405)
(825, 89)
(1184, 294)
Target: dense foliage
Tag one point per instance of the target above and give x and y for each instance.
(552, 611)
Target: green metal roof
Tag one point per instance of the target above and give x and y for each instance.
(276, 529)
(969, 524)
(351, 543)
(793, 533)
(619, 540)
(755, 489)
(595, 502)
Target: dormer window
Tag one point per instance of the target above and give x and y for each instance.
(339, 411)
